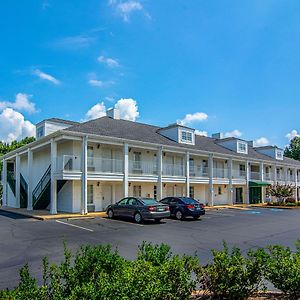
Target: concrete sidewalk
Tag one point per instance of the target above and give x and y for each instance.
(45, 214)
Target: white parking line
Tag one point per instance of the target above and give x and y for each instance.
(61, 222)
(220, 214)
(120, 221)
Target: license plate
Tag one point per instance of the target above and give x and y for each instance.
(160, 209)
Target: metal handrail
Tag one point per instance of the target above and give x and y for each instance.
(41, 186)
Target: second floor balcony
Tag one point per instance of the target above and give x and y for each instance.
(173, 170)
(220, 173)
(198, 171)
(142, 168)
(255, 175)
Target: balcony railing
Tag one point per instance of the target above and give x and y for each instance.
(255, 175)
(68, 163)
(198, 171)
(238, 174)
(173, 170)
(104, 165)
(220, 173)
(269, 176)
(142, 168)
(280, 177)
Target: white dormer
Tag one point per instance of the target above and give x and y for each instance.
(234, 144)
(272, 151)
(179, 133)
(49, 126)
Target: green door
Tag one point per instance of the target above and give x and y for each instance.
(255, 195)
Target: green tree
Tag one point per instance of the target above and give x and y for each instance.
(281, 191)
(293, 150)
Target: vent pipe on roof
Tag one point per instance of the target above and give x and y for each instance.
(251, 143)
(113, 113)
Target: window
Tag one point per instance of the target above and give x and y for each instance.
(137, 191)
(40, 132)
(90, 194)
(279, 154)
(186, 136)
(137, 160)
(132, 201)
(123, 201)
(90, 156)
(155, 192)
(242, 170)
(242, 147)
(192, 192)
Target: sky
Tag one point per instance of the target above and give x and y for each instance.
(216, 66)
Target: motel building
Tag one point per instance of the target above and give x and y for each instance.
(83, 167)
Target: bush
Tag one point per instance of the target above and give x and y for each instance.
(283, 269)
(232, 276)
(97, 272)
(290, 200)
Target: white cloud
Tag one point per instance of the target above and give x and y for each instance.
(263, 141)
(100, 83)
(292, 134)
(202, 133)
(110, 62)
(128, 109)
(74, 42)
(97, 111)
(234, 133)
(45, 76)
(195, 117)
(126, 8)
(21, 103)
(14, 126)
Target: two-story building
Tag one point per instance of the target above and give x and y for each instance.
(81, 167)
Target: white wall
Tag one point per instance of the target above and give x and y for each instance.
(223, 198)
(65, 197)
(11, 199)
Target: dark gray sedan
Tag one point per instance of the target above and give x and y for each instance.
(139, 209)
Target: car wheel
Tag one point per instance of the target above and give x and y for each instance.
(179, 215)
(138, 217)
(196, 217)
(110, 214)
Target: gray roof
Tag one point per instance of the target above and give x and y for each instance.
(106, 126)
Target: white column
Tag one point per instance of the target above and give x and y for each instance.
(18, 198)
(84, 176)
(187, 167)
(29, 172)
(275, 174)
(160, 173)
(211, 175)
(53, 197)
(4, 183)
(285, 171)
(246, 192)
(262, 171)
(230, 190)
(114, 200)
(296, 184)
(126, 162)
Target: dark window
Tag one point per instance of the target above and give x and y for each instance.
(188, 200)
(123, 201)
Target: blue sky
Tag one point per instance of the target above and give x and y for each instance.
(229, 66)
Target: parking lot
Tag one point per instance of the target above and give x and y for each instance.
(28, 240)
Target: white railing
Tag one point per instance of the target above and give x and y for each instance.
(291, 178)
(173, 170)
(255, 175)
(68, 163)
(269, 176)
(104, 165)
(280, 177)
(198, 171)
(220, 173)
(238, 174)
(142, 167)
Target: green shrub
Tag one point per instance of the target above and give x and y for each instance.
(283, 269)
(290, 200)
(97, 272)
(231, 275)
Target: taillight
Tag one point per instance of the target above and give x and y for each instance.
(191, 206)
(152, 208)
(202, 205)
(167, 208)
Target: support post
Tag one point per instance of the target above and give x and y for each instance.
(211, 175)
(18, 198)
(53, 197)
(230, 191)
(187, 167)
(126, 162)
(160, 173)
(296, 184)
(246, 192)
(262, 177)
(4, 183)
(29, 172)
(84, 176)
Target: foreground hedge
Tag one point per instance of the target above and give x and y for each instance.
(98, 272)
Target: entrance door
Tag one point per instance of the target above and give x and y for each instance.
(255, 195)
(106, 196)
(239, 195)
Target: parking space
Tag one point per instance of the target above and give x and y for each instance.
(27, 240)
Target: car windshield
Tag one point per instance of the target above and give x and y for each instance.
(188, 200)
(148, 201)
